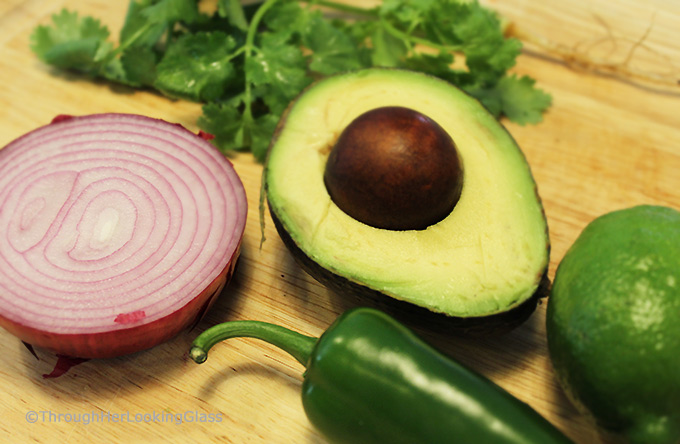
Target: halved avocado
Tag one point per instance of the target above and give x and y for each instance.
(488, 257)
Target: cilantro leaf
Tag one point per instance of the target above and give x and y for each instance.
(278, 71)
(137, 29)
(409, 13)
(286, 19)
(233, 11)
(388, 50)
(491, 98)
(438, 65)
(488, 53)
(71, 42)
(522, 102)
(333, 50)
(170, 11)
(225, 122)
(114, 71)
(262, 134)
(515, 97)
(234, 131)
(139, 66)
(197, 66)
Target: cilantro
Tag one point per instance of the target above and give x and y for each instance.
(333, 50)
(225, 122)
(138, 66)
(246, 63)
(516, 98)
(138, 30)
(72, 42)
(233, 11)
(197, 66)
(170, 11)
(277, 72)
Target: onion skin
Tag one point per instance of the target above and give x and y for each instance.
(142, 334)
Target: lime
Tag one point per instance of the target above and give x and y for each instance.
(613, 323)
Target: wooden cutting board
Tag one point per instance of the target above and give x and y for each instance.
(611, 140)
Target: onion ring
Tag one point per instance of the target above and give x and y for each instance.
(117, 231)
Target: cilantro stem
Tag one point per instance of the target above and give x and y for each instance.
(125, 44)
(234, 54)
(254, 25)
(411, 39)
(249, 48)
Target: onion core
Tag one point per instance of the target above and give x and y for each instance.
(117, 231)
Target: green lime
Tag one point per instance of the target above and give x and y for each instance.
(613, 323)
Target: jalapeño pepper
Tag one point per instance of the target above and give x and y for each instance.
(370, 379)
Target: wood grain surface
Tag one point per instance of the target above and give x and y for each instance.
(611, 140)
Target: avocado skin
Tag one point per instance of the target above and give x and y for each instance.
(414, 315)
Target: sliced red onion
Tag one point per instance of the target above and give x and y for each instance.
(117, 231)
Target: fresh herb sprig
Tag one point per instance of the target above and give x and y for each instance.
(246, 63)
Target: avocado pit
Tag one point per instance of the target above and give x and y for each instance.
(394, 168)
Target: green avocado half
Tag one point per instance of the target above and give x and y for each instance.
(488, 257)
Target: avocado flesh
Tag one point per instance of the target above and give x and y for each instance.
(486, 257)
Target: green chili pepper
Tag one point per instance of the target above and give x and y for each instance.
(370, 379)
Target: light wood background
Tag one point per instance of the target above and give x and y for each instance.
(611, 140)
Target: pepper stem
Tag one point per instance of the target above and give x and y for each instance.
(297, 345)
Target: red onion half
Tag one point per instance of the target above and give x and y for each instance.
(117, 231)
